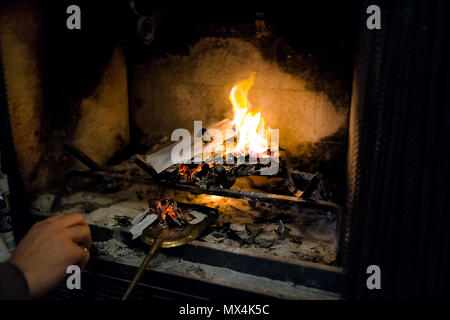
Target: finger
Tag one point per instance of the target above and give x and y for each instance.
(79, 255)
(81, 235)
(84, 260)
(56, 216)
(73, 219)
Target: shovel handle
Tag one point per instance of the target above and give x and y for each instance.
(143, 267)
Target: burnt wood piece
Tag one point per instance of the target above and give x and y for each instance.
(237, 194)
(137, 159)
(82, 157)
(217, 176)
(312, 185)
(289, 182)
(302, 201)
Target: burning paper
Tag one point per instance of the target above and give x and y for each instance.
(245, 135)
(137, 230)
(163, 159)
(194, 217)
(139, 218)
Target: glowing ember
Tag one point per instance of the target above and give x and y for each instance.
(169, 208)
(250, 126)
(184, 170)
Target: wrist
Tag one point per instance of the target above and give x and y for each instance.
(13, 285)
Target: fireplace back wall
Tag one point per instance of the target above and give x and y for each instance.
(173, 92)
(302, 76)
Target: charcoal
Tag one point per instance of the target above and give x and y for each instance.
(123, 221)
(204, 170)
(217, 176)
(163, 208)
(279, 229)
(244, 170)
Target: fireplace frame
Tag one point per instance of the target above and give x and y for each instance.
(398, 173)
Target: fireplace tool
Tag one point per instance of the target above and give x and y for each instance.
(166, 236)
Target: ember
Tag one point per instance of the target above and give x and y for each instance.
(166, 208)
(185, 170)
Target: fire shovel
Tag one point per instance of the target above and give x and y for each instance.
(164, 236)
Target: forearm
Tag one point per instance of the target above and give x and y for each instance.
(13, 285)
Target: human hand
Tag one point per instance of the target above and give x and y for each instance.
(49, 248)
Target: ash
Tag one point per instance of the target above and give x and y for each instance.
(256, 227)
(116, 249)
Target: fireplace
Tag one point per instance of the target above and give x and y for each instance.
(258, 117)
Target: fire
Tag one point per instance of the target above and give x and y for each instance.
(168, 208)
(252, 135)
(165, 209)
(184, 170)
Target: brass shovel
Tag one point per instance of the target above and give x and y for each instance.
(163, 236)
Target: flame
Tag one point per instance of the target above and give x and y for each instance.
(167, 207)
(250, 126)
(184, 170)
